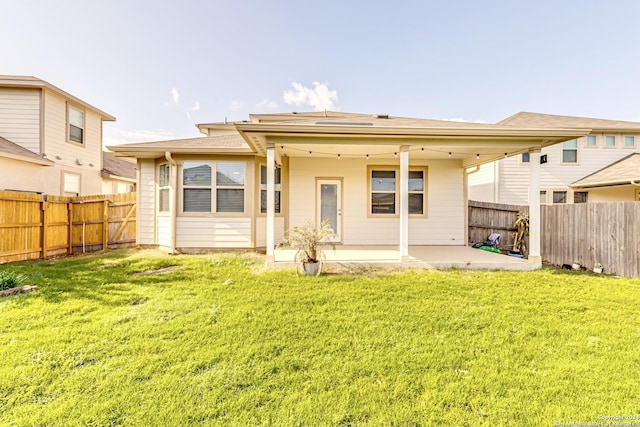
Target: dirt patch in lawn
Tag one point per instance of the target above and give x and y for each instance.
(164, 270)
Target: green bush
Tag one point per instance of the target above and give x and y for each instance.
(11, 279)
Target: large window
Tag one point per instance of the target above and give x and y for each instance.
(570, 151)
(198, 185)
(75, 120)
(263, 188)
(164, 173)
(384, 188)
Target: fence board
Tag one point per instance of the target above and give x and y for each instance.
(33, 226)
(487, 218)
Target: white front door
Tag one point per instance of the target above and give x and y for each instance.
(329, 205)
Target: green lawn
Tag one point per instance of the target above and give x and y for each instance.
(218, 341)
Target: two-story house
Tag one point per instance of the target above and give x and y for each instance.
(599, 167)
(50, 140)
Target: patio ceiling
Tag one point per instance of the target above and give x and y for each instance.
(473, 146)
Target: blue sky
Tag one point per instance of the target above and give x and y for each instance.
(161, 67)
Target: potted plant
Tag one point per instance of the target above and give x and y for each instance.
(307, 239)
(598, 268)
(576, 265)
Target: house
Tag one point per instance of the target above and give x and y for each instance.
(50, 140)
(118, 174)
(381, 180)
(565, 166)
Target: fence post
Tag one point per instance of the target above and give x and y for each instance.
(70, 229)
(43, 229)
(105, 224)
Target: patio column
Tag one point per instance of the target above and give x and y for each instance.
(271, 199)
(404, 203)
(534, 206)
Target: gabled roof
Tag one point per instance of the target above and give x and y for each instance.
(14, 151)
(34, 82)
(206, 144)
(113, 167)
(625, 171)
(527, 119)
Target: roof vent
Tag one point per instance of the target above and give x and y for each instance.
(382, 116)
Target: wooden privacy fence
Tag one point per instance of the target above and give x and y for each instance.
(606, 233)
(487, 218)
(33, 226)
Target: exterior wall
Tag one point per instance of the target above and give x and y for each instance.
(114, 186)
(485, 182)
(146, 207)
(20, 117)
(164, 231)
(23, 176)
(614, 194)
(65, 154)
(261, 231)
(198, 232)
(513, 175)
(444, 224)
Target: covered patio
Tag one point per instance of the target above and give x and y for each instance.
(433, 257)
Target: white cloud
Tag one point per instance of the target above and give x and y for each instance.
(319, 98)
(267, 103)
(195, 107)
(175, 95)
(123, 136)
(236, 105)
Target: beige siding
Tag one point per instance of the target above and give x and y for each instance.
(146, 209)
(613, 194)
(194, 232)
(483, 182)
(261, 231)
(23, 176)
(555, 175)
(20, 117)
(164, 231)
(444, 224)
(67, 155)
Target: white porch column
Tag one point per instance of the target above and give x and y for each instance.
(534, 206)
(404, 203)
(271, 199)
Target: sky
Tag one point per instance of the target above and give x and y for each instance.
(160, 67)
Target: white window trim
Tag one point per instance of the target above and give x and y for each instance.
(84, 125)
(213, 187)
(586, 139)
(63, 189)
(562, 150)
(165, 187)
(615, 142)
(624, 141)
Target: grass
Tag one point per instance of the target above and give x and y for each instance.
(214, 340)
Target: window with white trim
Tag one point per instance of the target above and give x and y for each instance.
(263, 188)
(384, 188)
(580, 197)
(610, 141)
(629, 141)
(204, 192)
(70, 184)
(164, 176)
(570, 151)
(75, 125)
(591, 141)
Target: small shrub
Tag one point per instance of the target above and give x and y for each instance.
(11, 279)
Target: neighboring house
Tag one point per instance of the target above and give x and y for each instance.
(381, 180)
(561, 177)
(50, 141)
(118, 175)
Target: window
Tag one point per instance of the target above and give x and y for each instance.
(570, 151)
(591, 140)
(384, 187)
(229, 187)
(383, 192)
(629, 141)
(525, 157)
(543, 197)
(198, 187)
(610, 141)
(164, 173)
(75, 118)
(70, 184)
(559, 197)
(416, 192)
(263, 188)
(580, 197)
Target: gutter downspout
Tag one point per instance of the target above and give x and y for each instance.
(173, 200)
